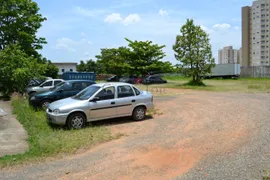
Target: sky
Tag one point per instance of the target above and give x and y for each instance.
(77, 29)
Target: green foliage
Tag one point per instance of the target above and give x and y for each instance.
(19, 23)
(139, 58)
(115, 60)
(145, 57)
(192, 48)
(46, 141)
(17, 68)
(89, 66)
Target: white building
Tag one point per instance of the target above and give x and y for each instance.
(255, 33)
(66, 67)
(228, 55)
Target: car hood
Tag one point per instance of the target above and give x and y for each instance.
(65, 103)
(33, 88)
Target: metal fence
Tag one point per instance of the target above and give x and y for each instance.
(255, 71)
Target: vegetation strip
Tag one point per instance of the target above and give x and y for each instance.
(46, 141)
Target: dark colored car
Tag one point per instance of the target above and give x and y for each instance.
(130, 79)
(154, 80)
(63, 90)
(113, 79)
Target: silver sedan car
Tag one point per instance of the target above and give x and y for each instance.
(100, 101)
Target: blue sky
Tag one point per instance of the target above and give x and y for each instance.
(77, 29)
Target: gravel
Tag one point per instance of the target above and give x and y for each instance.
(199, 135)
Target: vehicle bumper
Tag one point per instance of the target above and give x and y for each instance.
(149, 106)
(59, 119)
(34, 103)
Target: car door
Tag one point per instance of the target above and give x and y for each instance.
(71, 89)
(126, 100)
(104, 106)
(47, 85)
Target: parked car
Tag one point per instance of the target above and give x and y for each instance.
(45, 86)
(63, 90)
(35, 82)
(130, 79)
(98, 102)
(113, 79)
(154, 80)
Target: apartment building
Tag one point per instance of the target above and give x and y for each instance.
(228, 55)
(255, 34)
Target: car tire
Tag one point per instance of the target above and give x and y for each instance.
(139, 113)
(76, 121)
(45, 103)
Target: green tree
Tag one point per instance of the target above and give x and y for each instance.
(89, 66)
(17, 68)
(19, 23)
(145, 57)
(51, 70)
(192, 48)
(115, 60)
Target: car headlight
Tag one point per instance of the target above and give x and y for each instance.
(56, 111)
(33, 98)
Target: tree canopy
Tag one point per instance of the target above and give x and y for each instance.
(17, 68)
(192, 48)
(19, 23)
(138, 58)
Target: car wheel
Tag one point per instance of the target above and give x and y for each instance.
(45, 104)
(138, 113)
(76, 121)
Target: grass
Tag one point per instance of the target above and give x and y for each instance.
(248, 85)
(45, 141)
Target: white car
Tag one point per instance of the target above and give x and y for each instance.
(100, 101)
(45, 86)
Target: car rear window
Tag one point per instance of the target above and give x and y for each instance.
(137, 92)
(124, 91)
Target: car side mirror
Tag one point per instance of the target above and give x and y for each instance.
(94, 99)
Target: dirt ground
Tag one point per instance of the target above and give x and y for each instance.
(193, 135)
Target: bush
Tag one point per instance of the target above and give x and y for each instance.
(17, 68)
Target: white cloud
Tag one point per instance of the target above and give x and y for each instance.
(162, 12)
(112, 18)
(131, 19)
(223, 26)
(116, 17)
(206, 29)
(88, 12)
(69, 44)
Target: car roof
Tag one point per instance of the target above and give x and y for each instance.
(79, 81)
(112, 84)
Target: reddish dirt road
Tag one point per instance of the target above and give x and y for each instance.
(188, 129)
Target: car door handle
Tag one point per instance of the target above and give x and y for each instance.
(112, 102)
(133, 100)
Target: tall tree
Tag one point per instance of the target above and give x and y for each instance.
(115, 60)
(89, 66)
(19, 23)
(192, 48)
(145, 56)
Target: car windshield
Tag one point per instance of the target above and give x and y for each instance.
(58, 86)
(86, 93)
